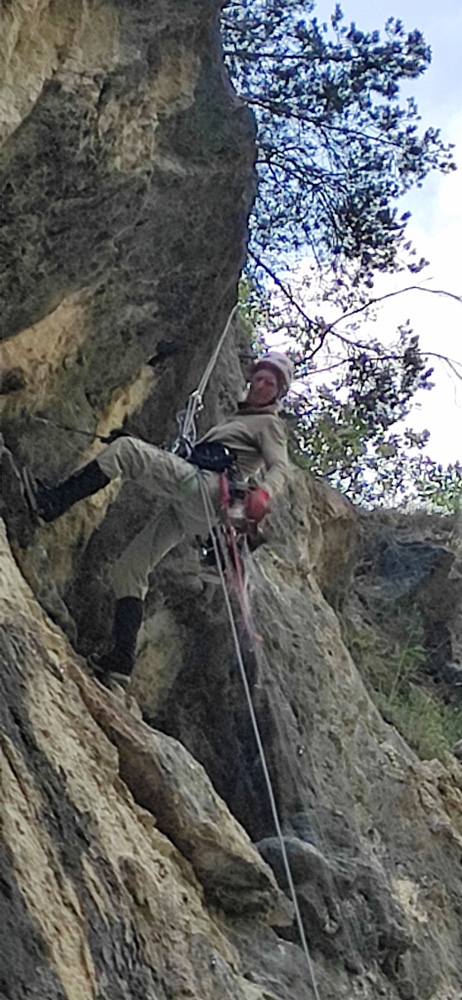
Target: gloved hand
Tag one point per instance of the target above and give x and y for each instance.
(257, 504)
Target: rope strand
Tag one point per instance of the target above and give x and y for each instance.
(261, 751)
(187, 430)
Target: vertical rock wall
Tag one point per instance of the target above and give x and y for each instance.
(126, 176)
(373, 834)
(125, 183)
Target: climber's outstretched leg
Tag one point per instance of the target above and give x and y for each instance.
(164, 474)
(49, 502)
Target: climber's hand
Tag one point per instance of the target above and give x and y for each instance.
(257, 504)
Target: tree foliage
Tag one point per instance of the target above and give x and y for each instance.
(349, 429)
(337, 148)
(351, 433)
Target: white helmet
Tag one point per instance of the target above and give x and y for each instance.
(283, 367)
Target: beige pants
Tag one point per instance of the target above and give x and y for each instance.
(183, 516)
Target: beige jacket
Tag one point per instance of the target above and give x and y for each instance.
(259, 439)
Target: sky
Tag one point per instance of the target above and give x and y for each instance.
(435, 227)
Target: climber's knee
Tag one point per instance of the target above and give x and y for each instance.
(128, 580)
(119, 458)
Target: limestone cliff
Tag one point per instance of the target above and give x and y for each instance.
(139, 856)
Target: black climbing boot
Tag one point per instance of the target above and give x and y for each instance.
(49, 502)
(120, 660)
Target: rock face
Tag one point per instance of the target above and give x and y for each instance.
(372, 833)
(98, 900)
(126, 178)
(139, 854)
(417, 562)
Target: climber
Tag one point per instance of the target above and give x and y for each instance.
(253, 437)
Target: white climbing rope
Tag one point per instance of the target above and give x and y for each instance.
(187, 430)
(210, 523)
(331, 876)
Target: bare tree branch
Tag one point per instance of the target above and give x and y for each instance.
(314, 324)
(391, 295)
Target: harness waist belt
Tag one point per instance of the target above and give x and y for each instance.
(212, 456)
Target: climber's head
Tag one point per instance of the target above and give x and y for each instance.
(270, 379)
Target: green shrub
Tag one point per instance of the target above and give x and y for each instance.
(388, 653)
(430, 727)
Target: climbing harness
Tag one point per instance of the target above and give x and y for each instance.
(212, 456)
(215, 536)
